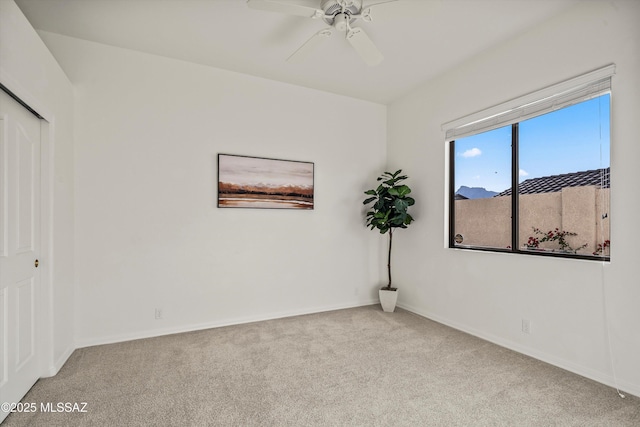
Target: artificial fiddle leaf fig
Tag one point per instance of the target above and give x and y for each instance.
(390, 208)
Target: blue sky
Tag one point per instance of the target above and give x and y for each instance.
(572, 139)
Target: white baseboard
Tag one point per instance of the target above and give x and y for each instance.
(601, 377)
(215, 324)
(54, 368)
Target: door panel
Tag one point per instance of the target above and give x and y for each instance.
(19, 248)
(3, 340)
(25, 326)
(25, 149)
(4, 167)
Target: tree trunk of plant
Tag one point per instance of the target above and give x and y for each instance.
(389, 257)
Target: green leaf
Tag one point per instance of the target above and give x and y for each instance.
(371, 192)
(369, 200)
(403, 190)
(401, 205)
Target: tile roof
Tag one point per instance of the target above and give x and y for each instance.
(551, 184)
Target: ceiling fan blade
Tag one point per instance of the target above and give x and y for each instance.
(310, 45)
(367, 4)
(364, 46)
(285, 7)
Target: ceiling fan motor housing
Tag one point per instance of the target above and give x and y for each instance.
(339, 11)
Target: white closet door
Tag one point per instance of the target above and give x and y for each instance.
(19, 249)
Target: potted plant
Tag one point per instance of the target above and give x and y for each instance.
(391, 201)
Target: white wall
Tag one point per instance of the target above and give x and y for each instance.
(488, 294)
(29, 70)
(148, 232)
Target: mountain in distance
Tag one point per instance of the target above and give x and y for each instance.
(475, 192)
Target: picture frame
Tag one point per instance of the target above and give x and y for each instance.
(264, 183)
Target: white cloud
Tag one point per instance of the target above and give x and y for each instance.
(523, 173)
(472, 152)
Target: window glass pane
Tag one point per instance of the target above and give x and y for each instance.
(482, 171)
(564, 180)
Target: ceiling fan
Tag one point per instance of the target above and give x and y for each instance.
(338, 14)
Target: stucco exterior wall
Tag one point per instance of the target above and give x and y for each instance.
(487, 222)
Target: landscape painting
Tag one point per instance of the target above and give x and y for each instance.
(254, 182)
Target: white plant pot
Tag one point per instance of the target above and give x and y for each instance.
(388, 300)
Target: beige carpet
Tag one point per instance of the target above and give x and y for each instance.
(350, 367)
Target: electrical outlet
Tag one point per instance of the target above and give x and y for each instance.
(526, 326)
(158, 313)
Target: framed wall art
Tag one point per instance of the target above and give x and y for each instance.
(256, 182)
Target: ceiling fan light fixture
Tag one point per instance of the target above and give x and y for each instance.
(341, 22)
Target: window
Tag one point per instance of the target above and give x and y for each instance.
(534, 179)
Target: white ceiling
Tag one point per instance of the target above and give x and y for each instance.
(420, 39)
